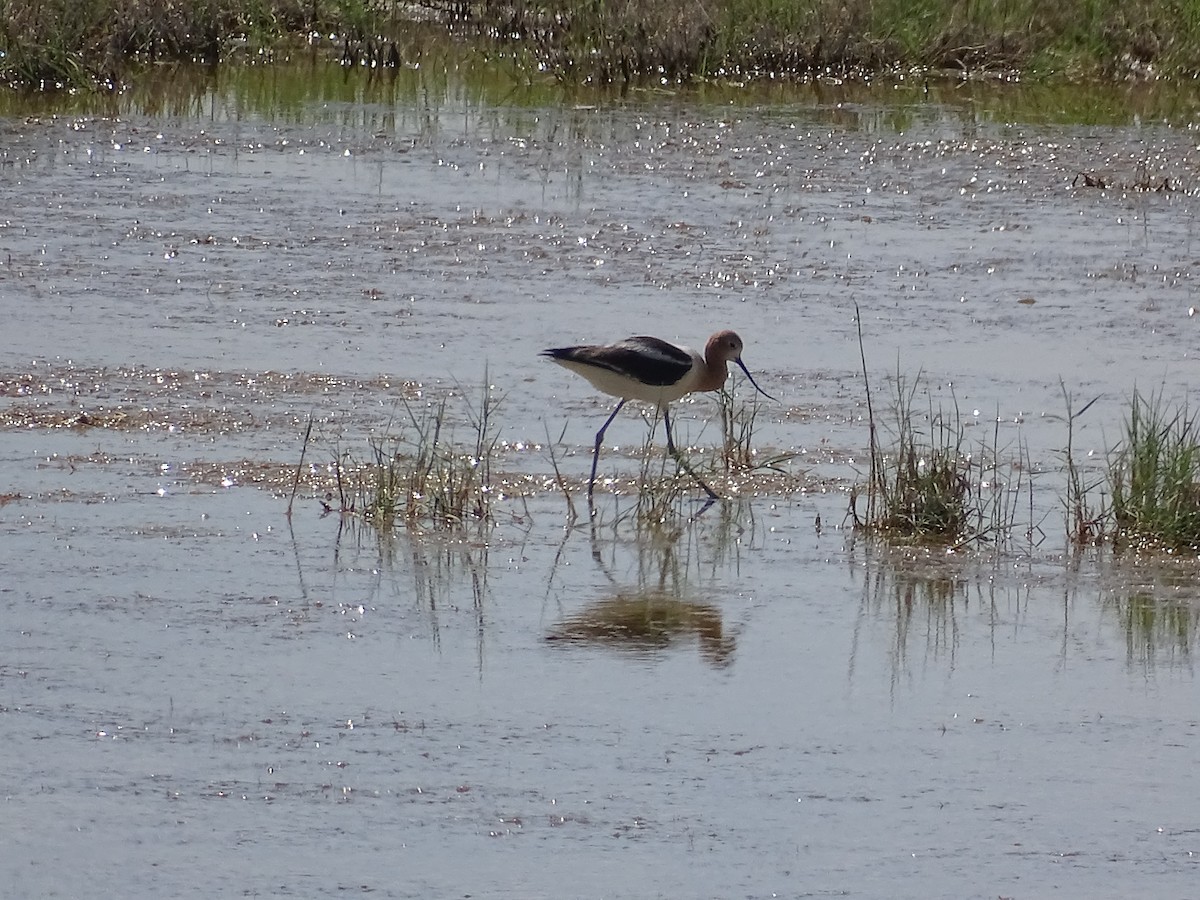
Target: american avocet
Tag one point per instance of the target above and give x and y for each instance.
(651, 370)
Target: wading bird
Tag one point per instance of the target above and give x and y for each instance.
(654, 371)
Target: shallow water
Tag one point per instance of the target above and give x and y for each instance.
(201, 696)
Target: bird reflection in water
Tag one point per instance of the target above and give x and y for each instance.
(648, 622)
(658, 610)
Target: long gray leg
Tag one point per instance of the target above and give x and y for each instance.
(596, 449)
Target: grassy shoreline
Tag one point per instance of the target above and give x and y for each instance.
(77, 43)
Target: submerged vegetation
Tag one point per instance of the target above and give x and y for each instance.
(78, 42)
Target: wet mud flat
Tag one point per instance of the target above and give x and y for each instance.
(745, 703)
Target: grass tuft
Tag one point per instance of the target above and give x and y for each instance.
(923, 484)
(737, 432)
(927, 485)
(1154, 477)
(739, 454)
(421, 476)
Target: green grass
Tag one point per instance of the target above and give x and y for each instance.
(677, 40)
(621, 42)
(420, 475)
(922, 483)
(70, 43)
(1085, 521)
(929, 484)
(1154, 477)
(661, 490)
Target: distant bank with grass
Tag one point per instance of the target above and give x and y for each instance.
(74, 43)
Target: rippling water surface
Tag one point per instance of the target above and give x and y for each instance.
(201, 696)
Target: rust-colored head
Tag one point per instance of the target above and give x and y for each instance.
(722, 348)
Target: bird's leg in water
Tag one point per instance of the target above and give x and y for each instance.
(596, 449)
(683, 463)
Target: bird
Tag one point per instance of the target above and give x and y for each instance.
(654, 371)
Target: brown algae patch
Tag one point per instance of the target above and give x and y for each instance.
(125, 419)
(48, 378)
(210, 402)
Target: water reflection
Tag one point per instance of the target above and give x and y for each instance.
(421, 577)
(648, 622)
(911, 599)
(437, 569)
(657, 573)
(928, 600)
(936, 607)
(468, 88)
(1159, 631)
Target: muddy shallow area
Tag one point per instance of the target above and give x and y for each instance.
(201, 696)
